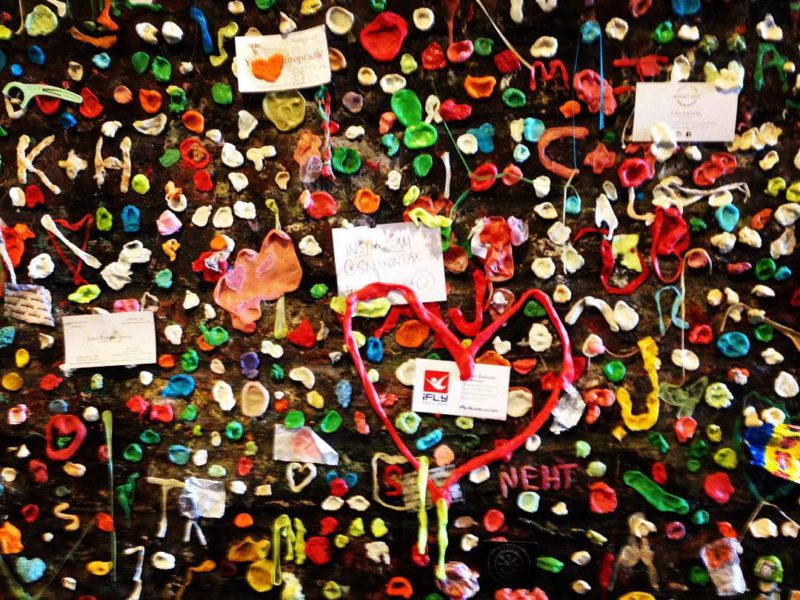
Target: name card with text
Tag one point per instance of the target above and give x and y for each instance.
(273, 63)
(696, 112)
(438, 389)
(108, 340)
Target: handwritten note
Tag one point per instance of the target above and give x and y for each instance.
(107, 340)
(394, 253)
(271, 63)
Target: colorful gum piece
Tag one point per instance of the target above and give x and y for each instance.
(655, 495)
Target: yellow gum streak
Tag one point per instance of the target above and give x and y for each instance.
(643, 420)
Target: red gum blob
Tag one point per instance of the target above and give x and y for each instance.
(90, 107)
(162, 413)
(633, 172)
(493, 520)
(319, 205)
(383, 37)
(33, 196)
(701, 334)
(318, 550)
(587, 88)
(483, 177)
(600, 159)
(64, 425)
(48, 105)
(639, 7)
(659, 473)
(512, 175)
(203, 181)
(303, 336)
(506, 62)
(685, 428)
(50, 382)
(718, 487)
(602, 498)
(433, 57)
(194, 154)
(459, 52)
(450, 111)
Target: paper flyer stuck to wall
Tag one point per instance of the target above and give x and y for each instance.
(273, 63)
(399, 253)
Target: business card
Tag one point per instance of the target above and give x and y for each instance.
(696, 112)
(438, 389)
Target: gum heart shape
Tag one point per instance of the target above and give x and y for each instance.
(450, 111)
(30, 569)
(465, 358)
(295, 468)
(268, 69)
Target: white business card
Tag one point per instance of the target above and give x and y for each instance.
(438, 389)
(696, 112)
(399, 253)
(273, 63)
(108, 340)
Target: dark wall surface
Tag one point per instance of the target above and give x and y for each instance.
(30, 477)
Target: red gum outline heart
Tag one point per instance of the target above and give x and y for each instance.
(465, 358)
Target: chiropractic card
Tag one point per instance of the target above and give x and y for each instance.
(272, 63)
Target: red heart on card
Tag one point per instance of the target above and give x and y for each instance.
(465, 358)
(268, 69)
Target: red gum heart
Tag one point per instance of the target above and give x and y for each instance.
(450, 111)
(64, 425)
(383, 37)
(465, 359)
(303, 336)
